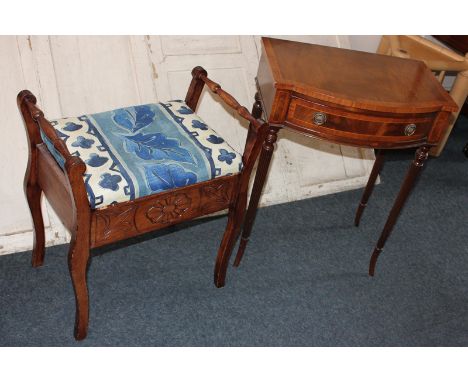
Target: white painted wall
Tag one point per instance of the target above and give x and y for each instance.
(73, 75)
(365, 43)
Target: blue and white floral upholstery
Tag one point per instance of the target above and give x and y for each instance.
(141, 150)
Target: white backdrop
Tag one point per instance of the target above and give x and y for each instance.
(73, 75)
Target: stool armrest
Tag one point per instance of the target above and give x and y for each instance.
(196, 87)
(200, 78)
(27, 103)
(257, 127)
(73, 167)
(230, 101)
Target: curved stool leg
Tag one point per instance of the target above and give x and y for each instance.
(411, 176)
(33, 196)
(379, 160)
(225, 249)
(31, 187)
(78, 258)
(236, 214)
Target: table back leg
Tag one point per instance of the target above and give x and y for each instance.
(379, 160)
(411, 176)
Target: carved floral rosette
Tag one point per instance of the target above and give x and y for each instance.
(167, 210)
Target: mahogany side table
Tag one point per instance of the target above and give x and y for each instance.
(351, 98)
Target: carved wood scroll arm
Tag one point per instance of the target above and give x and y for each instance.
(26, 98)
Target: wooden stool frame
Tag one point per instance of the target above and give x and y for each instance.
(66, 192)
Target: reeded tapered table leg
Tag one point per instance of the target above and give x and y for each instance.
(379, 160)
(260, 177)
(411, 176)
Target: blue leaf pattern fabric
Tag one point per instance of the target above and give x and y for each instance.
(196, 124)
(95, 160)
(226, 156)
(135, 118)
(140, 150)
(165, 177)
(157, 146)
(185, 110)
(110, 181)
(70, 126)
(83, 142)
(215, 140)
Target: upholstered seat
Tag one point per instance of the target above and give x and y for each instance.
(141, 150)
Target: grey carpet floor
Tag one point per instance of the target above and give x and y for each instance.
(303, 281)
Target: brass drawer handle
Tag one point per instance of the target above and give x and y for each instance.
(410, 129)
(320, 118)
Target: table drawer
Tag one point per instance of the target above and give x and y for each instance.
(346, 126)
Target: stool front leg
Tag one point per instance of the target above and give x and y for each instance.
(32, 189)
(33, 196)
(78, 255)
(260, 179)
(230, 236)
(416, 166)
(258, 129)
(237, 212)
(78, 258)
